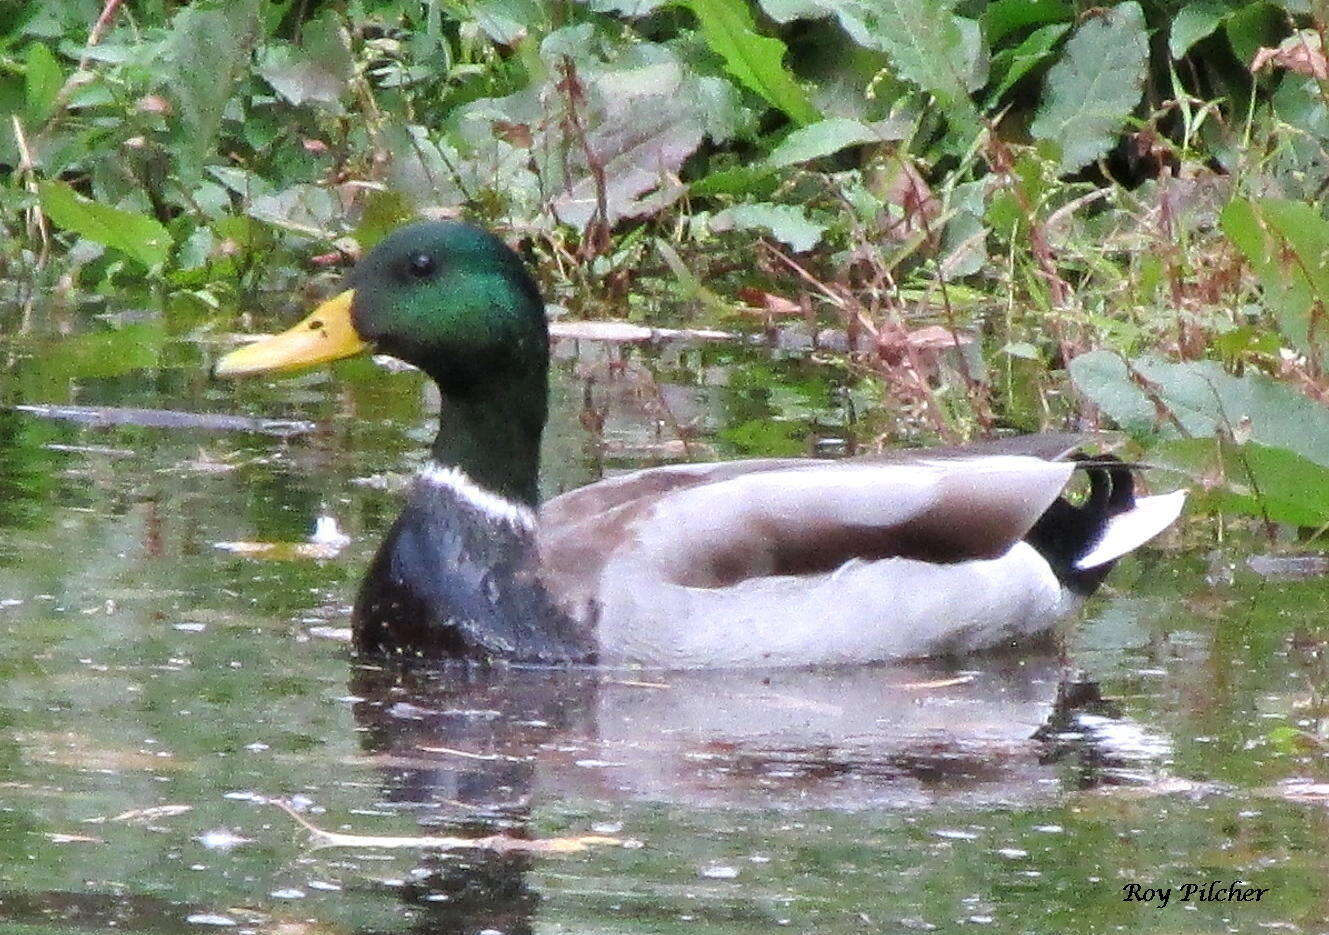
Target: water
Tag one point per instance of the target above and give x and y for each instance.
(174, 660)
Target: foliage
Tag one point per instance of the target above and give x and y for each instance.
(142, 238)
(1038, 180)
(1095, 86)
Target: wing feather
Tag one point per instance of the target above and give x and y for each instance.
(705, 527)
(807, 522)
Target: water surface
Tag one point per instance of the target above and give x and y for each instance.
(174, 660)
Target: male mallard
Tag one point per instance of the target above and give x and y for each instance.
(747, 563)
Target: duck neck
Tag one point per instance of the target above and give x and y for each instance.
(494, 438)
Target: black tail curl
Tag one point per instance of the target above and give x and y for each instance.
(1065, 533)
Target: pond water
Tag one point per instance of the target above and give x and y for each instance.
(177, 697)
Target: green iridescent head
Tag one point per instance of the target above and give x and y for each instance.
(447, 297)
(456, 302)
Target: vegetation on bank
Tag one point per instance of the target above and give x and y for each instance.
(1006, 215)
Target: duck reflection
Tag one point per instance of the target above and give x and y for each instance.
(466, 749)
(475, 752)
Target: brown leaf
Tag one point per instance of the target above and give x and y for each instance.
(767, 303)
(518, 134)
(280, 551)
(154, 104)
(935, 337)
(1302, 53)
(905, 186)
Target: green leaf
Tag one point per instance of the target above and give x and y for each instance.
(964, 242)
(1008, 16)
(309, 210)
(927, 46)
(507, 22)
(822, 138)
(383, 212)
(1287, 245)
(943, 54)
(974, 57)
(1094, 87)
(753, 181)
(318, 71)
(755, 60)
(1205, 400)
(1239, 221)
(208, 47)
(1021, 349)
(644, 111)
(1256, 480)
(1252, 26)
(1301, 229)
(42, 83)
(633, 8)
(786, 223)
(1104, 378)
(1014, 64)
(1245, 342)
(1192, 23)
(136, 235)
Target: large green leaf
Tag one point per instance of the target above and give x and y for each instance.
(643, 112)
(1204, 400)
(755, 60)
(928, 45)
(1105, 378)
(136, 235)
(1253, 479)
(1091, 91)
(1254, 25)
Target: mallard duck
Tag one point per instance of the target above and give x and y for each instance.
(769, 562)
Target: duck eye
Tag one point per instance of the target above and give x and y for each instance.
(422, 264)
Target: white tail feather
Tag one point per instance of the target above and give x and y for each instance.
(1132, 529)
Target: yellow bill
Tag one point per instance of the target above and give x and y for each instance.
(327, 334)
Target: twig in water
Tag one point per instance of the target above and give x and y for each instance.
(499, 843)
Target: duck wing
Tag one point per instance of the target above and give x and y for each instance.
(588, 514)
(714, 526)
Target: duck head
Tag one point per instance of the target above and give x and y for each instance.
(454, 301)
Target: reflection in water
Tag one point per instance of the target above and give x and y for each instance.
(462, 748)
(145, 669)
(477, 751)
